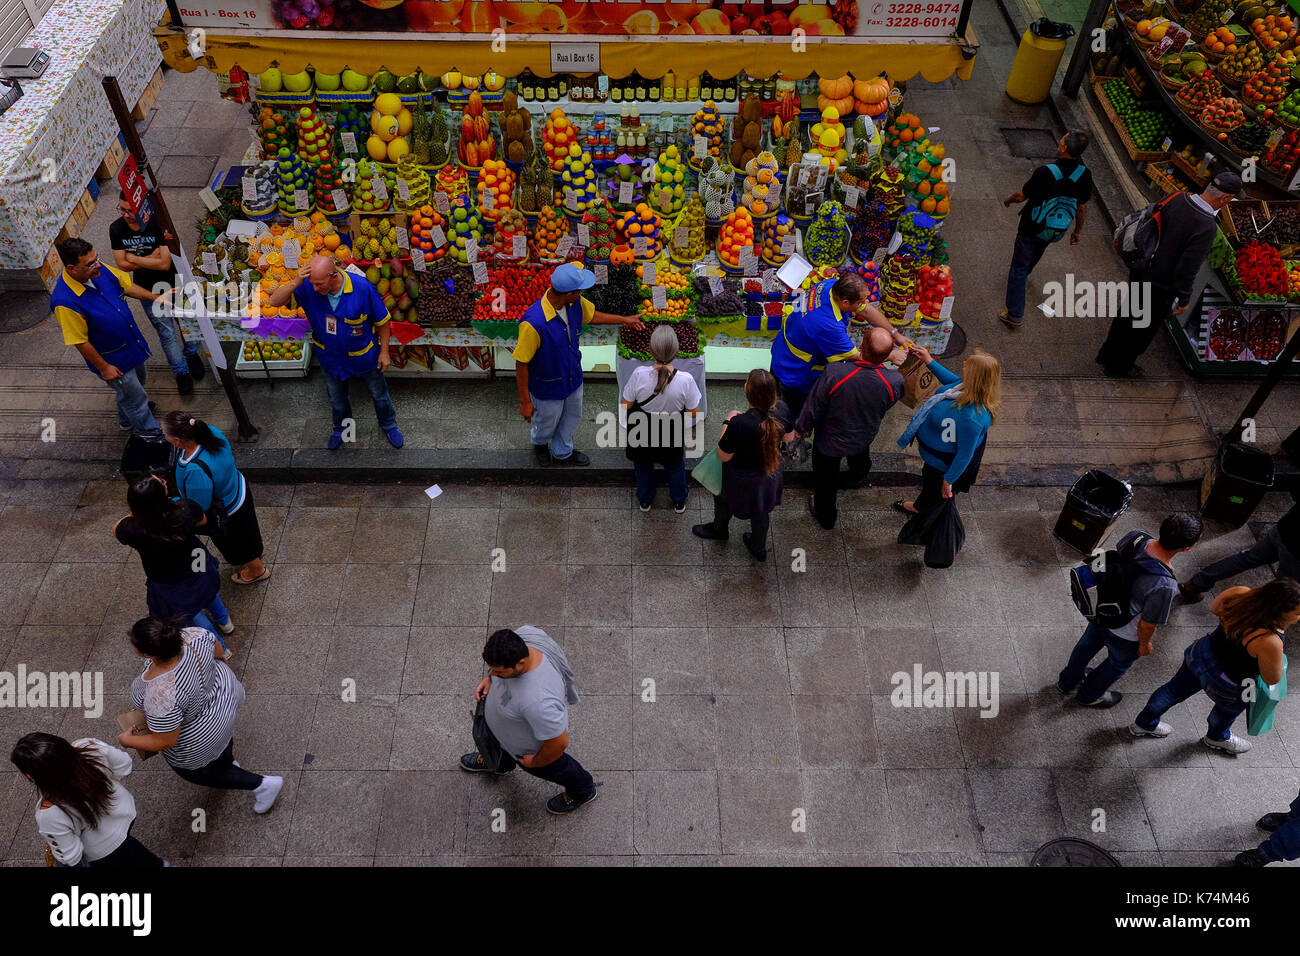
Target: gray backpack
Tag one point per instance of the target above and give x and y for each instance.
(1138, 236)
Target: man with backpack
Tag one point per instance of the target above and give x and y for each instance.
(1134, 588)
(1164, 246)
(1055, 196)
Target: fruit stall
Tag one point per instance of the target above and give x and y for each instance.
(709, 199)
(1195, 87)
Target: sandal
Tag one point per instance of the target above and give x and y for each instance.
(900, 505)
(238, 577)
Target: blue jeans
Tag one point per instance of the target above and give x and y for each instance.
(1267, 550)
(166, 329)
(645, 480)
(1284, 844)
(219, 613)
(341, 406)
(1024, 256)
(555, 420)
(1120, 655)
(133, 403)
(1201, 670)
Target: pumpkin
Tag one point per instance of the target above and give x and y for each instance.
(871, 109)
(871, 91)
(842, 105)
(621, 255)
(836, 87)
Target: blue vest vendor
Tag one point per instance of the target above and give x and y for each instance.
(89, 300)
(548, 360)
(818, 335)
(349, 328)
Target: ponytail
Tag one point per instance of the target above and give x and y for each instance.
(761, 390)
(188, 428)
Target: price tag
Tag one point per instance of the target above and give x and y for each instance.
(787, 244)
(442, 202)
(880, 254)
(418, 263)
(584, 235)
(747, 257)
(570, 199)
(666, 123)
(1274, 138)
(909, 315)
(639, 246)
(659, 297)
(750, 266)
(519, 246)
(564, 247)
(349, 142)
(340, 198)
(403, 190)
(945, 310)
(480, 273)
(701, 148)
(438, 236)
(1227, 15)
(209, 263)
(625, 192)
(715, 285)
(249, 187)
(290, 251)
(602, 274)
(300, 199)
(770, 281)
(488, 202)
(851, 196)
(471, 249)
(773, 192)
(379, 188)
(681, 237)
(821, 175)
(649, 274)
(403, 240)
(1164, 146)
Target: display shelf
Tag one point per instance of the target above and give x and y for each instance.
(1135, 154)
(1190, 333)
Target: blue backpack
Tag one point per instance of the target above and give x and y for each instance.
(1055, 214)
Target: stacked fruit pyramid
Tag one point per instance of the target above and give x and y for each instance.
(452, 180)
(826, 242)
(747, 133)
(624, 170)
(509, 225)
(363, 195)
(828, 139)
(536, 184)
(737, 232)
(465, 225)
(1269, 86)
(293, 176)
(760, 176)
(418, 188)
(389, 123)
(902, 134)
(498, 182)
(1238, 67)
(898, 287)
(933, 285)
(691, 218)
(599, 219)
(423, 239)
(348, 119)
(706, 122)
(642, 222)
(668, 194)
(476, 144)
(716, 190)
(775, 230)
(557, 136)
(923, 172)
(376, 239)
(550, 229)
(275, 131)
(578, 173)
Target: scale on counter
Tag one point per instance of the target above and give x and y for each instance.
(25, 63)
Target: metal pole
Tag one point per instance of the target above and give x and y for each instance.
(247, 430)
(963, 19)
(1274, 375)
(1078, 67)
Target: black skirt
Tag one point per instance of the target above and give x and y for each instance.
(750, 492)
(243, 541)
(183, 597)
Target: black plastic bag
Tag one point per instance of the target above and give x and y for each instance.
(488, 746)
(939, 530)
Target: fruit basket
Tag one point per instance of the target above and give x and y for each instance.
(283, 359)
(1266, 336)
(1121, 128)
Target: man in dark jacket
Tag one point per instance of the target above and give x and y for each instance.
(1186, 234)
(1278, 545)
(846, 404)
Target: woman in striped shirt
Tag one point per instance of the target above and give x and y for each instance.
(190, 698)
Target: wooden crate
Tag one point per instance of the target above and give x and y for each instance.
(113, 160)
(51, 269)
(70, 230)
(1135, 154)
(150, 96)
(1187, 169)
(1161, 176)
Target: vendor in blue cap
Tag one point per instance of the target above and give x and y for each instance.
(548, 361)
(349, 327)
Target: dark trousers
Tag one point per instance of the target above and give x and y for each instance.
(1024, 256)
(758, 524)
(827, 480)
(566, 772)
(1284, 844)
(1269, 549)
(1124, 343)
(646, 480)
(1120, 655)
(222, 774)
(794, 400)
(131, 855)
(341, 404)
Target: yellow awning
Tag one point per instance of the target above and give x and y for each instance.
(935, 60)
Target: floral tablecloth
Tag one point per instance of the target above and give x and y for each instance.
(53, 139)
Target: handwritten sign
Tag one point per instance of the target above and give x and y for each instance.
(438, 236)
(300, 199)
(418, 263)
(480, 273)
(659, 297)
(403, 190)
(584, 235)
(649, 274)
(681, 237)
(625, 192)
(290, 251)
(349, 142)
(851, 196)
(248, 187)
(209, 263)
(564, 246)
(519, 246)
(715, 285)
(602, 274)
(340, 198)
(442, 202)
(701, 148)
(379, 188)
(945, 310)
(488, 202)
(471, 249)
(403, 239)
(787, 244)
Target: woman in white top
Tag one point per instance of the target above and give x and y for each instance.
(662, 403)
(84, 814)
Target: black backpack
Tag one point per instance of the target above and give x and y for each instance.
(1102, 590)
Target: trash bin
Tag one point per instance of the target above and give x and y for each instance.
(1037, 58)
(1234, 487)
(1091, 507)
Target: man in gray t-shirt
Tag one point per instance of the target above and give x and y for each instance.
(1151, 594)
(526, 710)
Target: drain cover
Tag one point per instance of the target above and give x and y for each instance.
(186, 172)
(23, 310)
(1031, 143)
(1069, 851)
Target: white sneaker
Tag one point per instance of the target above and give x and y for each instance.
(227, 628)
(1233, 745)
(1161, 730)
(264, 796)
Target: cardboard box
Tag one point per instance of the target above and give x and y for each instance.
(92, 187)
(70, 230)
(919, 383)
(82, 211)
(113, 160)
(150, 96)
(51, 269)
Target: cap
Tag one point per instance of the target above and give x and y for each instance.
(1229, 183)
(572, 277)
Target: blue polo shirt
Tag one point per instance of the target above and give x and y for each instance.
(811, 339)
(345, 335)
(548, 345)
(101, 316)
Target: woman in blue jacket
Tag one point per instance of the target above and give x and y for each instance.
(950, 427)
(206, 474)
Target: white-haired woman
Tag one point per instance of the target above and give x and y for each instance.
(661, 403)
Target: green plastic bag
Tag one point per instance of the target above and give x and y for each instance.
(709, 472)
(1264, 706)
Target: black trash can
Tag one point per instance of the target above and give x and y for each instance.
(1234, 487)
(1091, 507)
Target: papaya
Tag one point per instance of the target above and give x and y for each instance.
(471, 154)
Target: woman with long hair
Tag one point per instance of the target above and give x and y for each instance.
(181, 577)
(1247, 644)
(191, 698)
(951, 426)
(84, 813)
(206, 474)
(661, 401)
(750, 450)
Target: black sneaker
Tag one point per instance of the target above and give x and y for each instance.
(474, 764)
(561, 803)
(542, 456)
(1250, 859)
(679, 507)
(185, 383)
(1271, 821)
(759, 555)
(709, 532)
(576, 460)
(1105, 701)
(1133, 371)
